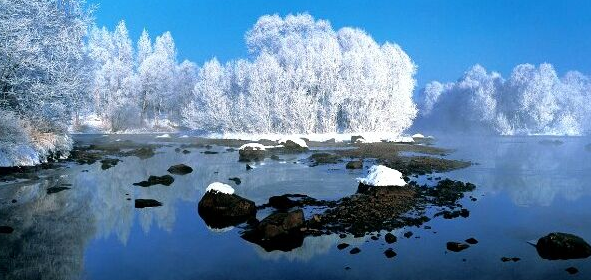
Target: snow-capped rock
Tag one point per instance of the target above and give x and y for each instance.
(299, 141)
(380, 175)
(220, 187)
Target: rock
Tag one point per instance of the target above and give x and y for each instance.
(14, 201)
(342, 246)
(282, 202)
(6, 230)
(506, 259)
(186, 152)
(354, 251)
(390, 238)
(145, 203)
(248, 167)
(408, 234)
(355, 164)
(355, 139)
(323, 158)
(456, 246)
(374, 238)
(210, 153)
(278, 231)
(275, 157)
(248, 153)
(53, 190)
(236, 180)
(220, 210)
(180, 169)
(290, 146)
(142, 153)
(390, 253)
(108, 163)
(572, 270)
(563, 246)
(471, 241)
(165, 180)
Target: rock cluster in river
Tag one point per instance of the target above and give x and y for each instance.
(221, 210)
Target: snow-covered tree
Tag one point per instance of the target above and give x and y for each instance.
(534, 100)
(42, 73)
(305, 77)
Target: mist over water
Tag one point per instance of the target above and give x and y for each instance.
(532, 101)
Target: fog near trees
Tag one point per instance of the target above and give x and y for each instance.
(304, 77)
(533, 100)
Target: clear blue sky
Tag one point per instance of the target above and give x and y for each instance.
(443, 37)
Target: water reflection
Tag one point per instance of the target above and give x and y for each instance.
(53, 231)
(528, 170)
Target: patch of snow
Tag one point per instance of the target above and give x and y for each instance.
(220, 187)
(418, 135)
(301, 142)
(184, 136)
(254, 146)
(380, 175)
(166, 135)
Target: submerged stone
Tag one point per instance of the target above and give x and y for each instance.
(53, 190)
(146, 203)
(108, 163)
(180, 169)
(457, 246)
(165, 180)
(354, 164)
(390, 253)
(236, 180)
(563, 246)
(355, 251)
(6, 229)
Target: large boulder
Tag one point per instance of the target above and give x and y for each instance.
(221, 210)
(563, 246)
(279, 231)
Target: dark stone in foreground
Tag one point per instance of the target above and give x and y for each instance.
(342, 246)
(390, 238)
(220, 210)
(456, 246)
(53, 190)
(572, 270)
(145, 203)
(354, 251)
(390, 253)
(563, 246)
(355, 164)
(278, 231)
(6, 229)
(166, 180)
(180, 169)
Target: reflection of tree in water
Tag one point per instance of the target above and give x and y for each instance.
(534, 173)
(50, 233)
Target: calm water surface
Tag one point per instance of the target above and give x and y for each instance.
(525, 189)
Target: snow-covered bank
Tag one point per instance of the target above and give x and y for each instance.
(23, 145)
